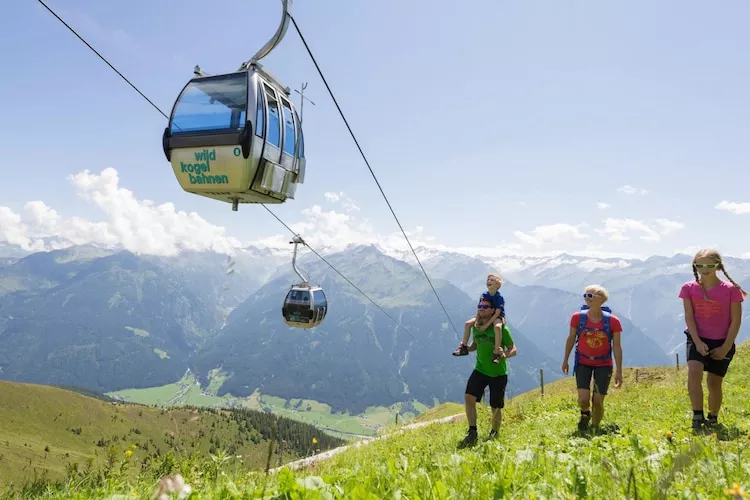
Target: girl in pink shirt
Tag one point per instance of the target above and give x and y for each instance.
(713, 313)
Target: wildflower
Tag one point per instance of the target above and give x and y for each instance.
(669, 436)
(314, 440)
(128, 453)
(736, 492)
(172, 484)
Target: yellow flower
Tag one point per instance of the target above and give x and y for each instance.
(315, 441)
(128, 453)
(735, 491)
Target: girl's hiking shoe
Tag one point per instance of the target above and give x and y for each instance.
(698, 423)
(711, 421)
(462, 350)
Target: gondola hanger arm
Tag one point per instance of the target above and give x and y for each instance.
(275, 39)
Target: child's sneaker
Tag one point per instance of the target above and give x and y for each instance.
(462, 350)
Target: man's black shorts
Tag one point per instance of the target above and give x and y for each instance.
(716, 366)
(601, 374)
(477, 383)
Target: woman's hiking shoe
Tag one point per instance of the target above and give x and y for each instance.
(583, 423)
(462, 350)
(493, 435)
(711, 421)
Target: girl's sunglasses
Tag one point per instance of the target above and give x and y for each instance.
(589, 295)
(483, 306)
(706, 266)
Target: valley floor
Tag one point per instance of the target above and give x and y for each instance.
(188, 392)
(646, 450)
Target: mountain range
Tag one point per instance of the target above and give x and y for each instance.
(107, 319)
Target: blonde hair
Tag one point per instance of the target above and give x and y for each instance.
(713, 254)
(599, 290)
(496, 278)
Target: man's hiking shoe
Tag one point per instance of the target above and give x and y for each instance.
(462, 350)
(469, 440)
(583, 423)
(493, 435)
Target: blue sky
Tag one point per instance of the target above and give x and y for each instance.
(504, 124)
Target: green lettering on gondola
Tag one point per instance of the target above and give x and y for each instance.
(197, 171)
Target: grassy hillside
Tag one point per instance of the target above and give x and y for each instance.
(647, 450)
(48, 431)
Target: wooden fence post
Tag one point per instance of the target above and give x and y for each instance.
(396, 418)
(541, 379)
(677, 356)
(636, 375)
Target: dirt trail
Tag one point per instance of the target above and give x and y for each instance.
(304, 462)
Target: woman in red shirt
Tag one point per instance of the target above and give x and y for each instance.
(595, 332)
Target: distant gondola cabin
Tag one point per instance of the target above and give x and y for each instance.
(304, 306)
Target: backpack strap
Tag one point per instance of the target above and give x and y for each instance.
(606, 315)
(583, 317)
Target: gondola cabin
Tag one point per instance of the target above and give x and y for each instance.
(236, 137)
(304, 306)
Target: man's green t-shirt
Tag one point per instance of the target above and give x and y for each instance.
(485, 341)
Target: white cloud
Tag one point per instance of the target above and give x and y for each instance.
(602, 206)
(551, 233)
(669, 226)
(630, 190)
(136, 225)
(347, 202)
(142, 226)
(620, 229)
(12, 229)
(734, 207)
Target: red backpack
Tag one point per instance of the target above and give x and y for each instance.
(582, 319)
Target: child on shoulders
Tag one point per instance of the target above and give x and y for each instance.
(494, 282)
